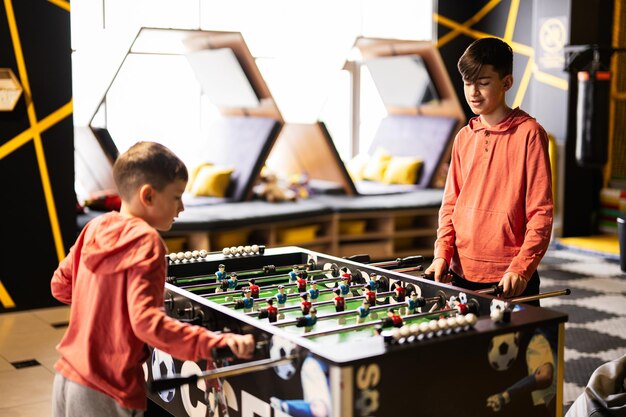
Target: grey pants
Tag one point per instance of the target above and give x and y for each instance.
(70, 399)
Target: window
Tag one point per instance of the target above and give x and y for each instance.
(300, 48)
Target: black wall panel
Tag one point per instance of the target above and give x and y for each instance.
(36, 164)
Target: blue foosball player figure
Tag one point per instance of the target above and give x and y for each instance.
(314, 293)
(220, 277)
(308, 321)
(373, 282)
(362, 312)
(344, 287)
(281, 296)
(247, 302)
(293, 274)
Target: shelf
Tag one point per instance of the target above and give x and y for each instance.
(382, 235)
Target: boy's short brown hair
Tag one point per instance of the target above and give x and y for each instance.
(147, 163)
(486, 51)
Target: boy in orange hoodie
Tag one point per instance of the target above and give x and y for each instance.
(114, 279)
(495, 220)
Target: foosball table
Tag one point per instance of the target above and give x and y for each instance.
(347, 338)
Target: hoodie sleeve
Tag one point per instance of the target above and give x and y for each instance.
(145, 285)
(539, 207)
(444, 245)
(63, 278)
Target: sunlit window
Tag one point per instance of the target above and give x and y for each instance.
(300, 48)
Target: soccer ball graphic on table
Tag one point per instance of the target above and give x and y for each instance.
(163, 367)
(280, 348)
(503, 350)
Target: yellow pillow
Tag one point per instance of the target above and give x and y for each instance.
(402, 170)
(194, 173)
(211, 181)
(376, 166)
(357, 165)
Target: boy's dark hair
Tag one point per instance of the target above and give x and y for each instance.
(147, 163)
(486, 51)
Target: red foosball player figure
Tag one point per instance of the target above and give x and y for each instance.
(393, 318)
(308, 321)
(301, 281)
(345, 275)
(400, 292)
(340, 301)
(305, 304)
(254, 289)
(270, 312)
(370, 295)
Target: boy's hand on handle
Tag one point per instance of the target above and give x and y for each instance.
(512, 284)
(242, 345)
(439, 267)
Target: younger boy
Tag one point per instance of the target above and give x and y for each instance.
(495, 220)
(114, 279)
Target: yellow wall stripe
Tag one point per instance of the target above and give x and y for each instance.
(65, 5)
(511, 20)
(43, 125)
(523, 85)
(517, 47)
(551, 80)
(32, 117)
(5, 298)
(468, 23)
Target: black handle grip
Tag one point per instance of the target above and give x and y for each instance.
(410, 260)
(157, 385)
(361, 258)
(430, 276)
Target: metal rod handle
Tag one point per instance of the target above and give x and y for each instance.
(239, 369)
(540, 296)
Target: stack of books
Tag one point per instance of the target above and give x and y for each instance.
(612, 205)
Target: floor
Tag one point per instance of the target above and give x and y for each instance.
(26, 386)
(595, 332)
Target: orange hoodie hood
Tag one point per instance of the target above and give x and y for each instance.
(111, 242)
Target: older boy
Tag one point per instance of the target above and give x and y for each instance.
(495, 220)
(113, 278)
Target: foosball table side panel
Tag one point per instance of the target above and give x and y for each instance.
(477, 375)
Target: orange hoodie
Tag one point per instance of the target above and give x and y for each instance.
(114, 279)
(496, 214)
